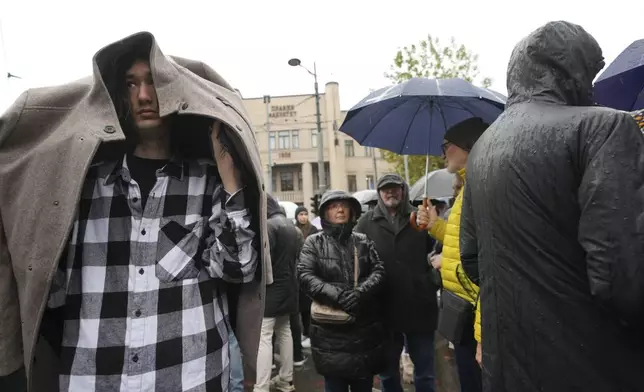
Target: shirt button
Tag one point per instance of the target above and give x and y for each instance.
(143, 231)
(138, 313)
(135, 199)
(141, 271)
(135, 358)
(109, 129)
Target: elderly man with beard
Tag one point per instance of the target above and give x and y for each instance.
(410, 306)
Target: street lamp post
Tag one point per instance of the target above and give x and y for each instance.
(321, 171)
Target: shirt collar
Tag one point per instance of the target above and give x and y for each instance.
(175, 168)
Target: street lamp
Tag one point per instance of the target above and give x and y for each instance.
(294, 62)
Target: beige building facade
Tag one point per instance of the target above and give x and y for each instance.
(293, 146)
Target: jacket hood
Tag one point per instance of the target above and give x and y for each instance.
(341, 232)
(405, 207)
(273, 207)
(555, 63)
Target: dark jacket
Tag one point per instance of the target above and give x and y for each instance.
(326, 269)
(410, 300)
(552, 217)
(285, 242)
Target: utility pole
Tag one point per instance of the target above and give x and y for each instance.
(267, 101)
(321, 169)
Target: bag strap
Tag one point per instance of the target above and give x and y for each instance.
(355, 267)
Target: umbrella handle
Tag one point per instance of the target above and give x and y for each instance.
(412, 218)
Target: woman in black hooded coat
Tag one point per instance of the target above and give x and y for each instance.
(347, 355)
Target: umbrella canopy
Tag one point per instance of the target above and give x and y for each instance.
(411, 118)
(289, 208)
(621, 85)
(439, 185)
(366, 196)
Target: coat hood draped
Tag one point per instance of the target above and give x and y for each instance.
(556, 63)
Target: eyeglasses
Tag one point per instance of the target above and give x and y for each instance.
(445, 146)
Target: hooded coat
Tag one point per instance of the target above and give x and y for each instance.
(48, 139)
(410, 305)
(285, 242)
(326, 270)
(552, 219)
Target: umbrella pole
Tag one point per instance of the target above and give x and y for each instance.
(426, 176)
(412, 217)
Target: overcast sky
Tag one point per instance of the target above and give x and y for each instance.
(250, 42)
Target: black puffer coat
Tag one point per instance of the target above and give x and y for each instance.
(353, 350)
(552, 217)
(285, 241)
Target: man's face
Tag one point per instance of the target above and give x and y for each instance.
(338, 212)
(303, 217)
(391, 195)
(455, 157)
(142, 95)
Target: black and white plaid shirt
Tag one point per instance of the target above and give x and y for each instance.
(144, 308)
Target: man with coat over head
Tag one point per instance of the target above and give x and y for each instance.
(552, 219)
(131, 221)
(410, 306)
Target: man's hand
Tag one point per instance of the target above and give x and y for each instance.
(426, 216)
(229, 173)
(479, 354)
(436, 261)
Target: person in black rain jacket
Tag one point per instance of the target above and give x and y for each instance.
(552, 219)
(349, 354)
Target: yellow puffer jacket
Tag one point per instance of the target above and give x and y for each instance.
(454, 278)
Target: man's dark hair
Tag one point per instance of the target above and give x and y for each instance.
(114, 76)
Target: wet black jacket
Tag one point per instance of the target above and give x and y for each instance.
(285, 242)
(325, 268)
(552, 218)
(410, 300)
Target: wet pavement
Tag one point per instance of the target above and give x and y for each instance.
(307, 380)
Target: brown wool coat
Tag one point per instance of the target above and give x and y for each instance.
(48, 139)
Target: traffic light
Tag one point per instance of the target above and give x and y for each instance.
(315, 204)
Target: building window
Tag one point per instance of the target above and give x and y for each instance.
(314, 138)
(295, 139)
(370, 184)
(286, 181)
(368, 151)
(348, 148)
(299, 180)
(274, 182)
(353, 183)
(271, 140)
(284, 140)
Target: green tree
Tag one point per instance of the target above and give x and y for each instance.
(430, 59)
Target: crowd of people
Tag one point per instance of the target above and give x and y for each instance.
(139, 251)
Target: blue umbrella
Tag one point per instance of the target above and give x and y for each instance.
(411, 118)
(621, 85)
